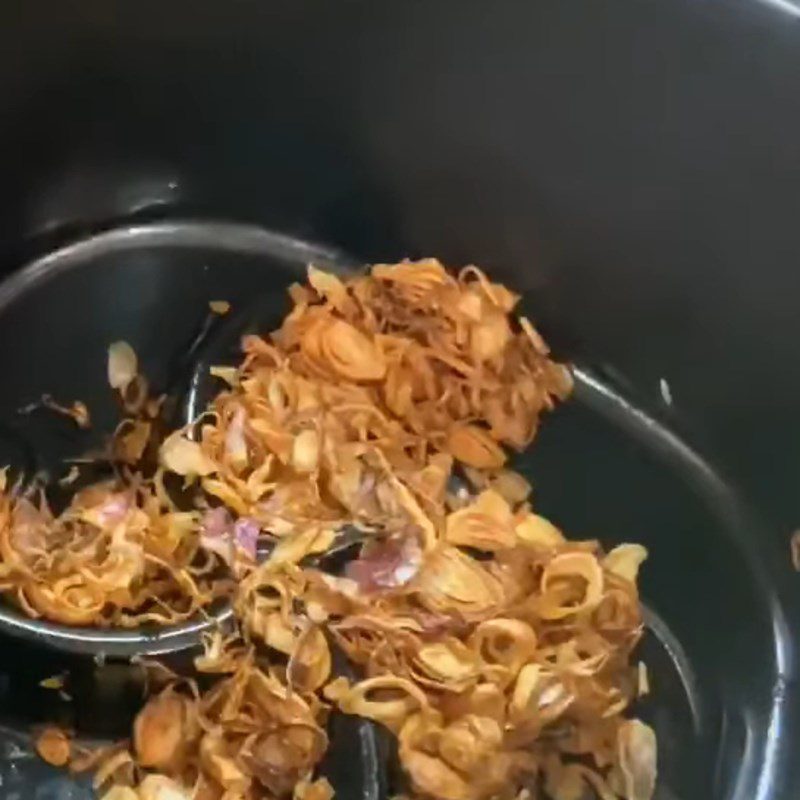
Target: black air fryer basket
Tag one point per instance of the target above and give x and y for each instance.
(631, 167)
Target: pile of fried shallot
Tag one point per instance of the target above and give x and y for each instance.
(376, 422)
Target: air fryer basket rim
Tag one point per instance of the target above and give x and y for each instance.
(192, 236)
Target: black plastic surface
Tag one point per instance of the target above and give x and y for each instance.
(632, 165)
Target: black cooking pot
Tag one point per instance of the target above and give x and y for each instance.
(632, 167)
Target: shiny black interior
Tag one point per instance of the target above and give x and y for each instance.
(631, 166)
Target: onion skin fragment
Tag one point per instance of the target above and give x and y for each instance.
(162, 731)
(636, 744)
(122, 365)
(53, 746)
(475, 448)
(351, 354)
(486, 524)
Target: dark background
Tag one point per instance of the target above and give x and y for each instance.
(632, 165)
(635, 165)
